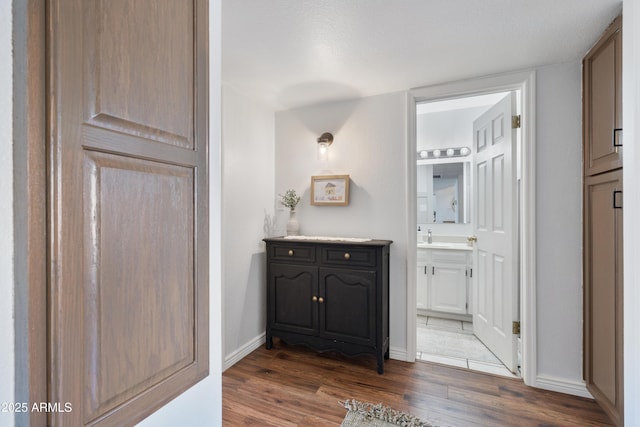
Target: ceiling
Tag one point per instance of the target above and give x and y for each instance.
(292, 53)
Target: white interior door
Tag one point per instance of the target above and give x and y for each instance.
(495, 275)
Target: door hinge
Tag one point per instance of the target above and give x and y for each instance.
(516, 327)
(515, 122)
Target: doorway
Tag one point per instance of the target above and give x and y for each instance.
(467, 187)
(524, 249)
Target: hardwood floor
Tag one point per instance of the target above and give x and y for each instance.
(294, 386)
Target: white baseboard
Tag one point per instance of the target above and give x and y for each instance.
(562, 385)
(243, 351)
(398, 354)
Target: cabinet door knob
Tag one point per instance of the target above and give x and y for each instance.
(347, 255)
(314, 299)
(320, 300)
(290, 252)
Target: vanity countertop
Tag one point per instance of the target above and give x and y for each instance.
(446, 245)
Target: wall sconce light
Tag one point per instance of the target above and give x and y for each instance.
(324, 141)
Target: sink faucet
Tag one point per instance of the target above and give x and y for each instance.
(429, 238)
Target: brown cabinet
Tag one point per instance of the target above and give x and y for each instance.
(602, 91)
(329, 296)
(603, 290)
(603, 258)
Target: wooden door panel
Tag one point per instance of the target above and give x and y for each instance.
(602, 109)
(604, 291)
(122, 55)
(128, 213)
(603, 93)
(133, 337)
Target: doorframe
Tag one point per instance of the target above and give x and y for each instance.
(525, 82)
(30, 201)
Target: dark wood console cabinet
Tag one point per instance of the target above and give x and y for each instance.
(329, 295)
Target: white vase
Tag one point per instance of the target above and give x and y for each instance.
(293, 227)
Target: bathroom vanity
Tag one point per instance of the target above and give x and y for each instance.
(444, 272)
(329, 295)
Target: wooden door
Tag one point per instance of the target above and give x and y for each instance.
(128, 211)
(603, 291)
(495, 292)
(602, 86)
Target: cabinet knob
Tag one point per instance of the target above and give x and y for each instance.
(314, 299)
(347, 255)
(290, 252)
(320, 300)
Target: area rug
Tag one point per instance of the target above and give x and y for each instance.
(363, 414)
(453, 344)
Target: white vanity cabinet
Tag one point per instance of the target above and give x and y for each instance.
(423, 279)
(449, 273)
(443, 282)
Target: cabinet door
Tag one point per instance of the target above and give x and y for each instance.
(291, 292)
(127, 226)
(422, 275)
(348, 307)
(449, 288)
(602, 82)
(603, 290)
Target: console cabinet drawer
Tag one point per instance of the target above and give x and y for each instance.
(293, 253)
(344, 255)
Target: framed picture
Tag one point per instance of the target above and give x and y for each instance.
(330, 190)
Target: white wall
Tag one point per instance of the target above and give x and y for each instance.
(369, 145)
(201, 405)
(7, 372)
(559, 223)
(248, 150)
(631, 176)
(444, 129)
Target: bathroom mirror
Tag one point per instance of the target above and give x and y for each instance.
(443, 192)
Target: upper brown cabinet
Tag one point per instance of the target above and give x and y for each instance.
(602, 79)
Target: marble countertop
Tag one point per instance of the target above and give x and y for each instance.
(446, 245)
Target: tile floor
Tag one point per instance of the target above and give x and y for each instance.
(451, 342)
